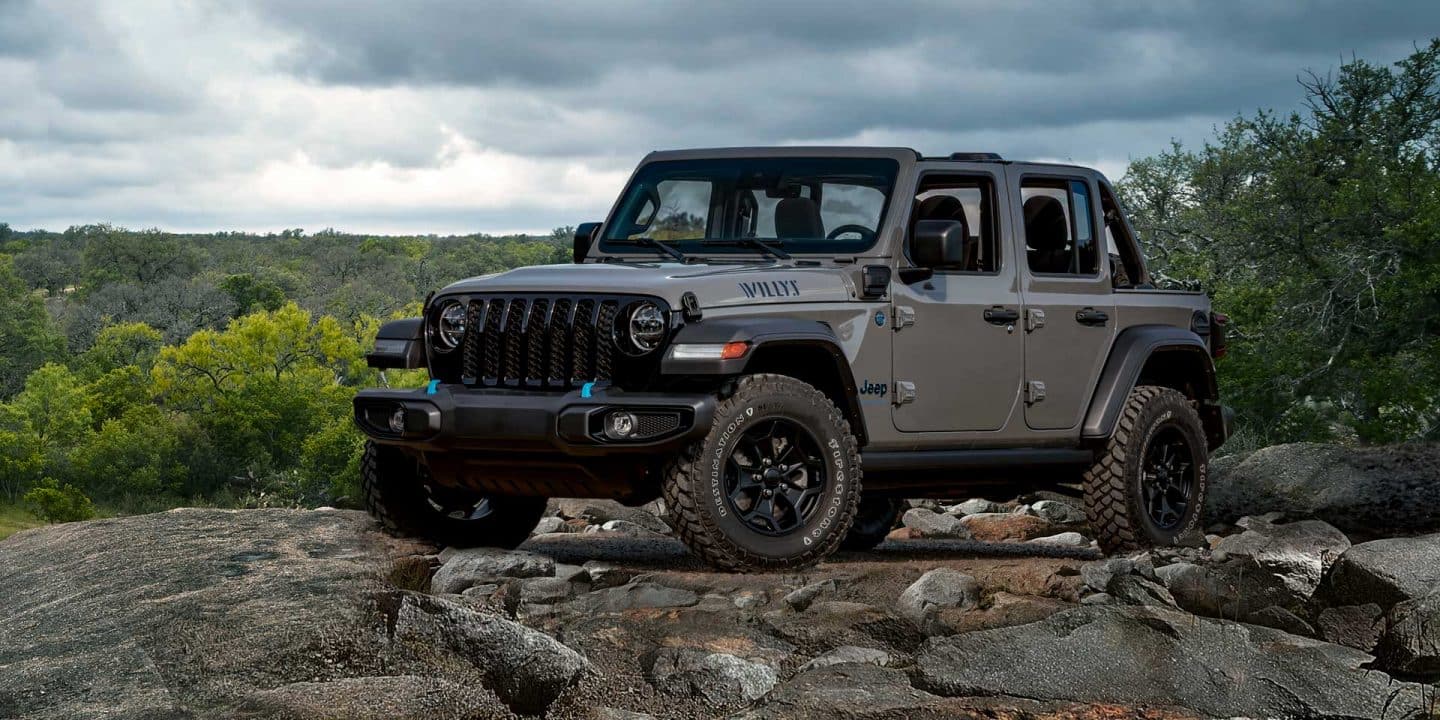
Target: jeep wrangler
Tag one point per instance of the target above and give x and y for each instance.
(754, 332)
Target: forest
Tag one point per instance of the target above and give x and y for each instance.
(142, 370)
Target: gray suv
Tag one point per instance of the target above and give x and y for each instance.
(784, 342)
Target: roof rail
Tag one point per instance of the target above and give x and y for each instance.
(976, 156)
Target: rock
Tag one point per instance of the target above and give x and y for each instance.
(526, 669)
(638, 595)
(604, 575)
(401, 697)
(1005, 527)
(544, 591)
(605, 713)
(849, 654)
(572, 573)
(1356, 626)
(974, 506)
(847, 690)
(1097, 599)
(933, 525)
(1058, 513)
(1281, 619)
(1133, 656)
(625, 527)
(750, 599)
(719, 679)
(1127, 581)
(548, 525)
(1378, 490)
(802, 598)
(1385, 572)
(924, 503)
(599, 512)
(1410, 646)
(829, 624)
(1065, 539)
(1098, 574)
(1266, 565)
(475, 566)
(937, 589)
(1003, 610)
(1137, 590)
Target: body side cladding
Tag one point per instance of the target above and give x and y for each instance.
(767, 334)
(1132, 350)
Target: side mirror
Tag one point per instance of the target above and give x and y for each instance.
(938, 243)
(584, 237)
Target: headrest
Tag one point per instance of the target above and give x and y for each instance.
(798, 218)
(1045, 226)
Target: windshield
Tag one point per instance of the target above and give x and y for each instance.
(829, 205)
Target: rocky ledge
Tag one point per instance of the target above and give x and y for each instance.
(963, 613)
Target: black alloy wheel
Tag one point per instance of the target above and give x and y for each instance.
(1167, 478)
(775, 477)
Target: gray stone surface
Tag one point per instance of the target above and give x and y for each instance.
(1380, 490)
(720, 679)
(847, 691)
(1148, 656)
(401, 697)
(476, 566)
(850, 654)
(1410, 645)
(802, 598)
(1385, 572)
(1057, 512)
(974, 506)
(936, 590)
(1356, 626)
(933, 525)
(1279, 565)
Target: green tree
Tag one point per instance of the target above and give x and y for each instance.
(27, 337)
(55, 503)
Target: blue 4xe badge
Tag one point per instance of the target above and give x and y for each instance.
(879, 318)
(869, 388)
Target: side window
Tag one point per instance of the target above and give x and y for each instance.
(1059, 228)
(969, 201)
(1126, 267)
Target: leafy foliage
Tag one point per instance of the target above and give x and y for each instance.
(1317, 232)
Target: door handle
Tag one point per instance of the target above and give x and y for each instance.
(1001, 315)
(1091, 316)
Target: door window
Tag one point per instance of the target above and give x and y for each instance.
(1059, 229)
(967, 200)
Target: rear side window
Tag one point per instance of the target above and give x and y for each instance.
(1059, 227)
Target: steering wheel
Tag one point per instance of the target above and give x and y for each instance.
(865, 232)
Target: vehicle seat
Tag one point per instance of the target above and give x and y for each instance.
(798, 217)
(1047, 234)
(948, 207)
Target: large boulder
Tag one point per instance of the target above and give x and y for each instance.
(1267, 565)
(1410, 645)
(599, 512)
(935, 526)
(1149, 656)
(848, 690)
(1369, 491)
(936, 590)
(718, 679)
(1006, 527)
(476, 566)
(1385, 572)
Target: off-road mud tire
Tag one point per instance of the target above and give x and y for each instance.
(1113, 500)
(706, 524)
(873, 521)
(394, 484)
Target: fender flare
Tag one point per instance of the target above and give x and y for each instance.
(400, 344)
(765, 333)
(1128, 356)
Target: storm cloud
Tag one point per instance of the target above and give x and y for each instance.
(460, 116)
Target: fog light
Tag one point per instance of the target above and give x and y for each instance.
(397, 421)
(619, 425)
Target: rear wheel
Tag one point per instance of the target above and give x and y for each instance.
(775, 483)
(1148, 486)
(873, 521)
(400, 494)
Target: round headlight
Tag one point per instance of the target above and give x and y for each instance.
(645, 327)
(450, 326)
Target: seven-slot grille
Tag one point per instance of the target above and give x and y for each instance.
(539, 341)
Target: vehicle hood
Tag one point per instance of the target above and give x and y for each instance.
(713, 285)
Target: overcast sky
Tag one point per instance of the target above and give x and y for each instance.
(464, 116)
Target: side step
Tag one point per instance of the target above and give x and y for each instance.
(949, 473)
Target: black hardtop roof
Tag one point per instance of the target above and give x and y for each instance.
(843, 151)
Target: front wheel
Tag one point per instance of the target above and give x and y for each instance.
(774, 484)
(400, 494)
(1147, 488)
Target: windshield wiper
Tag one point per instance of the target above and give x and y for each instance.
(652, 243)
(750, 242)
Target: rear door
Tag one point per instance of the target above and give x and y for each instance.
(1067, 304)
(957, 358)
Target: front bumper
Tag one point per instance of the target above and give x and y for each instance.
(444, 418)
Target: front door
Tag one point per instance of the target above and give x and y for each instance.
(958, 350)
(1069, 311)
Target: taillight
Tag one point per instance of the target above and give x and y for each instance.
(1219, 343)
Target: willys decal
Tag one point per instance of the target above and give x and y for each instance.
(770, 288)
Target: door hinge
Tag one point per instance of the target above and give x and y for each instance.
(1034, 392)
(904, 392)
(904, 317)
(1034, 319)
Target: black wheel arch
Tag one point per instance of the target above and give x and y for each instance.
(1162, 355)
(807, 350)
